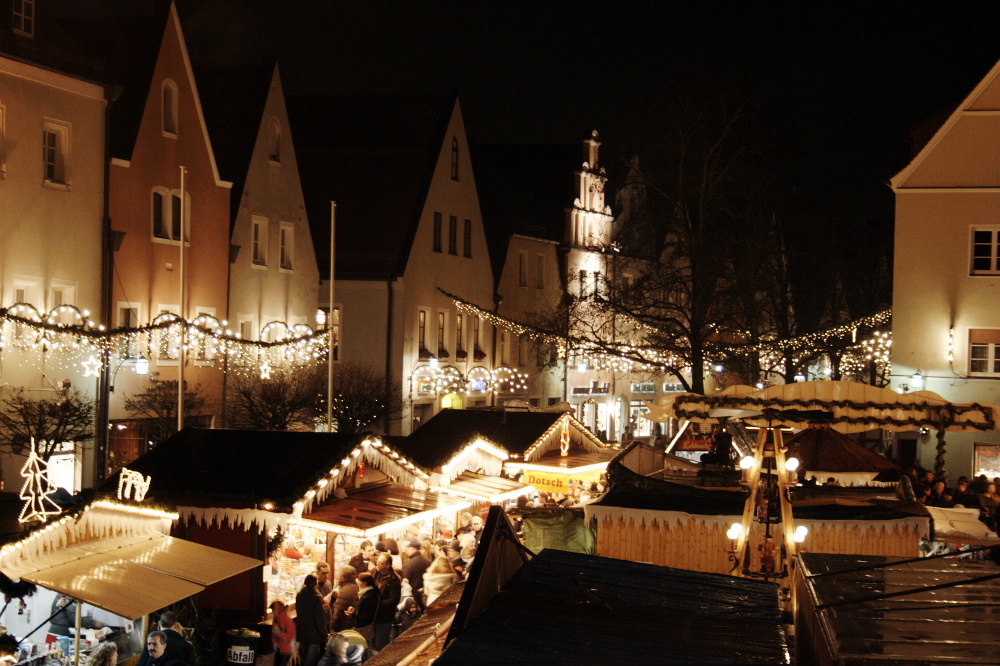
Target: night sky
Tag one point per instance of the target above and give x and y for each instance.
(845, 81)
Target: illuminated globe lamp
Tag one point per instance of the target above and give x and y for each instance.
(799, 535)
(917, 381)
(746, 464)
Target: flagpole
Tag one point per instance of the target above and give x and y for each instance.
(329, 324)
(180, 360)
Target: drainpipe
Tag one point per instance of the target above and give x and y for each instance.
(388, 354)
(109, 244)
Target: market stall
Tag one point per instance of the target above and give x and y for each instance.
(291, 499)
(99, 572)
(826, 454)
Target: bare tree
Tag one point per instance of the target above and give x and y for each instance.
(363, 398)
(158, 405)
(287, 400)
(67, 416)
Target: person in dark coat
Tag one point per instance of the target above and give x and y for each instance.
(155, 651)
(390, 589)
(310, 630)
(414, 570)
(368, 605)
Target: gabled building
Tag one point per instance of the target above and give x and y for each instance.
(408, 226)
(273, 279)
(171, 225)
(53, 104)
(945, 320)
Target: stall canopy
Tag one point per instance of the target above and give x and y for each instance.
(116, 557)
(846, 406)
(825, 453)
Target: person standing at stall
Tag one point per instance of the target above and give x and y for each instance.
(282, 633)
(414, 569)
(155, 653)
(368, 605)
(364, 560)
(390, 589)
(311, 630)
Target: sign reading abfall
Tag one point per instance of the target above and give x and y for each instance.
(239, 655)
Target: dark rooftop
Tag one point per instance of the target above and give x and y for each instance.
(241, 467)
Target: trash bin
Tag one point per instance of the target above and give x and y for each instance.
(241, 645)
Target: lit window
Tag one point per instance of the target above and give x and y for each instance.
(437, 232)
(55, 148)
(422, 333)
(335, 334)
(442, 352)
(286, 245)
(986, 251)
(454, 158)
(24, 17)
(984, 351)
(169, 108)
(452, 235)
(258, 242)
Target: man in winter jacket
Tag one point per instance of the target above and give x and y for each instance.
(390, 589)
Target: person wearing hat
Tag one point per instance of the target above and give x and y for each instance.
(414, 570)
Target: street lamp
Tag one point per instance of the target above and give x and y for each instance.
(140, 367)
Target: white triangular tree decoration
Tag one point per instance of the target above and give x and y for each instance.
(36, 490)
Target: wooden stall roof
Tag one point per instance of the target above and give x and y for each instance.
(132, 576)
(369, 507)
(483, 485)
(574, 460)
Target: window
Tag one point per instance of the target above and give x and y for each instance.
(205, 346)
(286, 238)
(128, 317)
(437, 232)
(55, 149)
(28, 289)
(459, 336)
(165, 213)
(335, 334)
(522, 270)
(274, 151)
(467, 240)
(442, 352)
(477, 351)
(452, 235)
(522, 350)
(258, 241)
(540, 272)
(168, 338)
(24, 17)
(169, 101)
(247, 328)
(454, 158)
(985, 251)
(583, 284)
(62, 293)
(984, 351)
(422, 334)
(503, 347)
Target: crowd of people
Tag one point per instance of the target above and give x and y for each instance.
(980, 493)
(379, 594)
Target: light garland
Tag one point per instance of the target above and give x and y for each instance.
(481, 445)
(66, 337)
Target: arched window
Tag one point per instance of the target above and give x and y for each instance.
(274, 152)
(454, 158)
(169, 107)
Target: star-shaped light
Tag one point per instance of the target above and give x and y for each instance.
(265, 370)
(92, 366)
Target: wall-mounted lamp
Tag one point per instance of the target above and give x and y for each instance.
(799, 377)
(917, 381)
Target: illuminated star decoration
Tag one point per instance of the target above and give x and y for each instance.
(265, 370)
(36, 490)
(92, 366)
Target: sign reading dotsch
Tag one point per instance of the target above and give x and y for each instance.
(559, 483)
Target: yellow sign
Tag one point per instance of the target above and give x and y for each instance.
(559, 483)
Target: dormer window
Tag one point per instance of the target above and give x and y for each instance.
(23, 19)
(274, 153)
(454, 158)
(169, 108)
